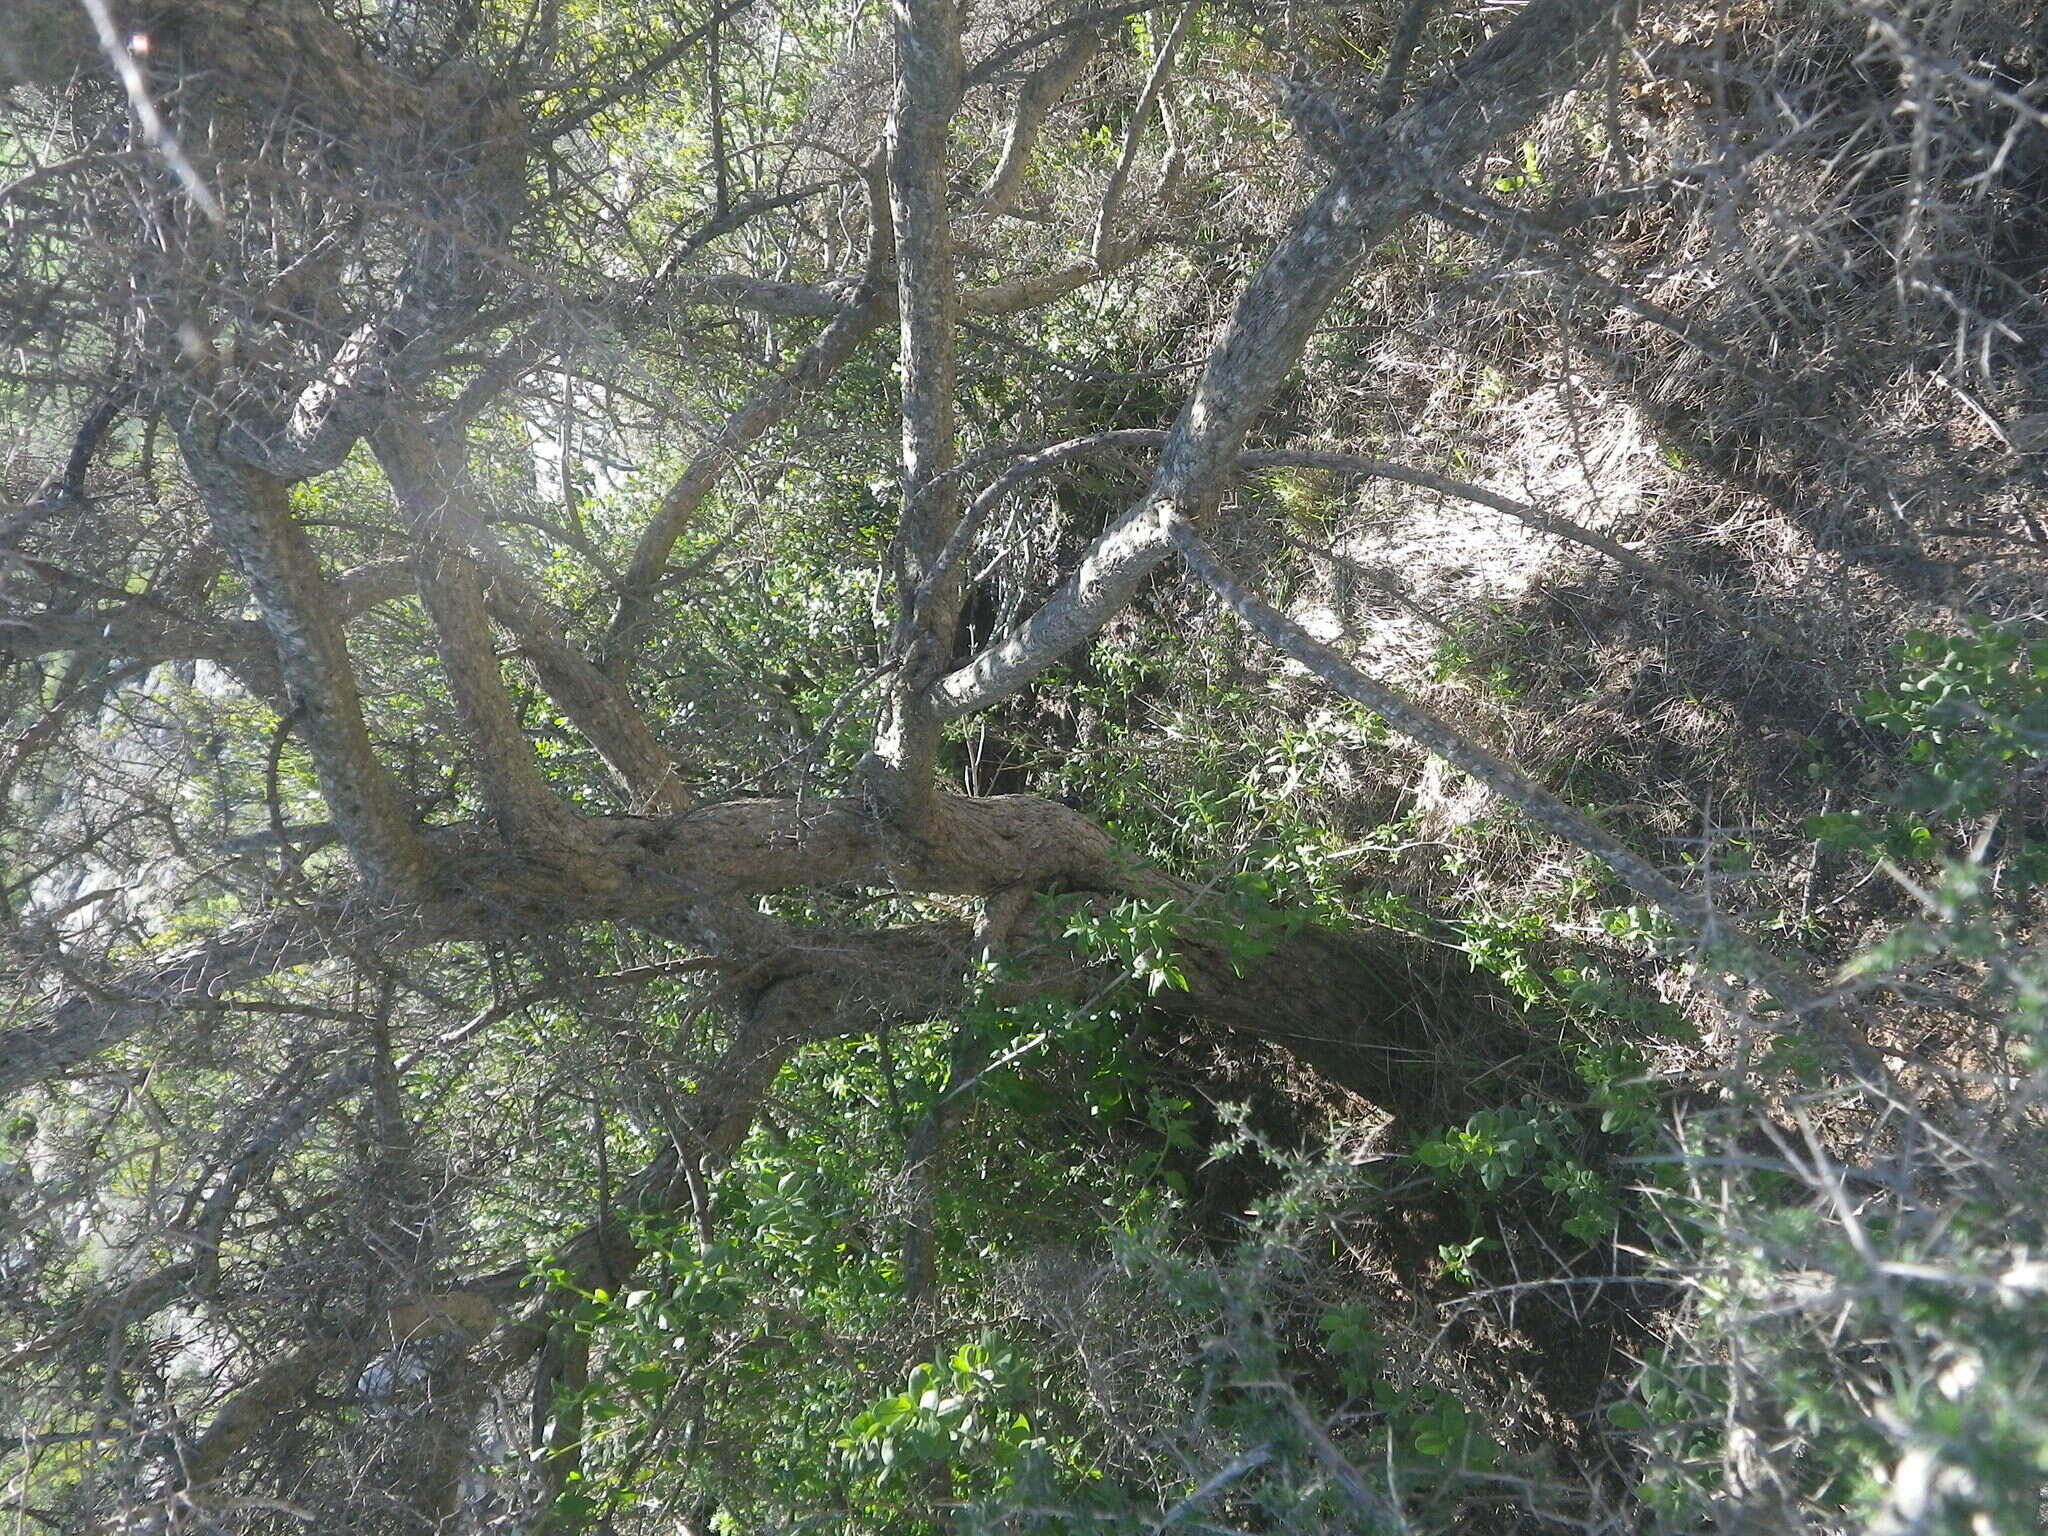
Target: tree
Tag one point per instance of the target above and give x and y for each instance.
(459, 566)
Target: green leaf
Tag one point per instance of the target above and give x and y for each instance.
(1626, 1415)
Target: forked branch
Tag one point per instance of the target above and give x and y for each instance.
(1382, 179)
(252, 519)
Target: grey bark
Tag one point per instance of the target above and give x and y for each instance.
(1382, 181)
(929, 66)
(1036, 97)
(424, 473)
(252, 521)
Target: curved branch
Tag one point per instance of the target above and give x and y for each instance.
(992, 67)
(1043, 459)
(763, 410)
(1530, 517)
(1112, 194)
(595, 702)
(730, 219)
(1037, 461)
(252, 519)
(1028, 292)
(1036, 98)
(148, 638)
(701, 867)
(736, 290)
(98, 1017)
(1382, 179)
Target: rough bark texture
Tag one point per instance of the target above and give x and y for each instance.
(1383, 179)
(929, 67)
(252, 519)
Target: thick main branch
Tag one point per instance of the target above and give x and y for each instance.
(252, 519)
(928, 74)
(1383, 180)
